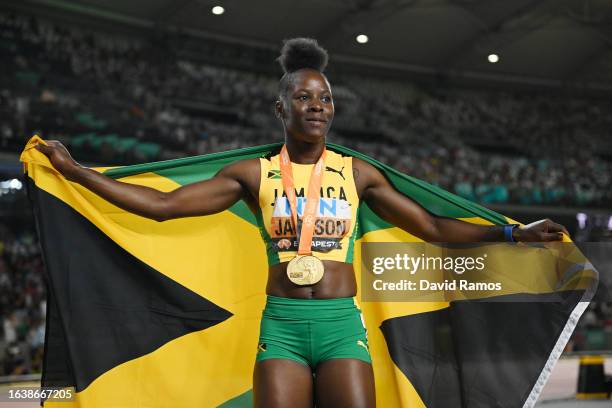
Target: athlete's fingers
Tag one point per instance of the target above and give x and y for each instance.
(551, 236)
(42, 148)
(554, 227)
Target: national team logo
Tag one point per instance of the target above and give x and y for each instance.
(274, 174)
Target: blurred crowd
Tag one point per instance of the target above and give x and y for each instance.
(119, 99)
(22, 303)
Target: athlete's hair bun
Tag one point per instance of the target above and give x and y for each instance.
(299, 53)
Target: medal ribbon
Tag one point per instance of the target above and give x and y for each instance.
(312, 198)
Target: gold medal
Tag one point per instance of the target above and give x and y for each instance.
(305, 270)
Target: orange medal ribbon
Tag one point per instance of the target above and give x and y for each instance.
(312, 198)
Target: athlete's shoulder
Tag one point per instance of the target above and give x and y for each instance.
(364, 168)
(246, 170)
(365, 175)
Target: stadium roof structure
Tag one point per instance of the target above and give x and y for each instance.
(550, 43)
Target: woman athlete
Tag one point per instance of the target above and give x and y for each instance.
(313, 346)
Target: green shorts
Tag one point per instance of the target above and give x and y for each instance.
(311, 331)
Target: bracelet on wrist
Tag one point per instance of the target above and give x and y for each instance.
(508, 230)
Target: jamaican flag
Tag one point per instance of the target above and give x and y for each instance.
(166, 314)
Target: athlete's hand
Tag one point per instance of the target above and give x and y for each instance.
(540, 231)
(59, 157)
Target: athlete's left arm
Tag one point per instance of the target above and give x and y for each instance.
(403, 212)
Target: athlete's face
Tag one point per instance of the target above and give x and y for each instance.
(308, 108)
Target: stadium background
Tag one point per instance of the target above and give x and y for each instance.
(128, 82)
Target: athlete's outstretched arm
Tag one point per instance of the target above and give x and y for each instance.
(401, 211)
(201, 198)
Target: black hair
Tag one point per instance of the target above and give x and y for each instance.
(297, 54)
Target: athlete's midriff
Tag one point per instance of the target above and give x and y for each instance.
(338, 281)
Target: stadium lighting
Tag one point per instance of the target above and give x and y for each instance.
(12, 184)
(218, 10)
(582, 219)
(493, 58)
(15, 184)
(362, 38)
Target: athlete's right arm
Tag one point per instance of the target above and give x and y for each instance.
(201, 198)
